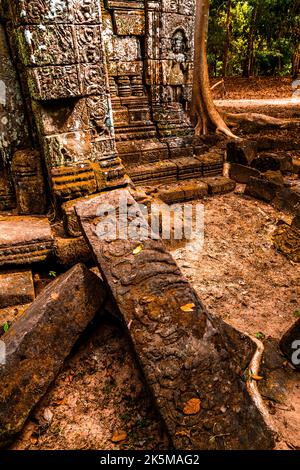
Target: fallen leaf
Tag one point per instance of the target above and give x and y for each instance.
(188, 307)
(256, 377)
(137, 250)
(119, 436)
(55, 296)
(192, 407)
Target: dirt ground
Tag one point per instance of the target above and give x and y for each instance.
(258, 88)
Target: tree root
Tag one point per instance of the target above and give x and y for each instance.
(252, 388)
(262, 120)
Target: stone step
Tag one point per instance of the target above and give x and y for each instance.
(192, 362)
(16, 288)
(208, 164)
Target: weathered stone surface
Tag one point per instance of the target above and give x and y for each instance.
(70, 251)
(288, 200)
(290, 345)
(16, 288)
(243, 152)
(274, 177)
(286, 239)
(38, 343)
(24, 240)
(263, 189)
(188, 357)
(29, 182)
(242, 173)
(182, 192)
(274, 162)
(219, 185)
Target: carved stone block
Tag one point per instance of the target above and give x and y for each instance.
(192, 362)
(67, 149)
(47, 45)
(16, 288)
(129, 23)
(29, 182)
(89, 44)
(54, 82)
(24, 240)
(73, 181)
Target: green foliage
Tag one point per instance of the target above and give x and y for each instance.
(264, 36)
(6, 327)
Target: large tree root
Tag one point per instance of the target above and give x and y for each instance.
(261, 120)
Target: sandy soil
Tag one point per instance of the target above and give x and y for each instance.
(253, 88)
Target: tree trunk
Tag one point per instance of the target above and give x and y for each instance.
(249, 59)
(203, 111)
(228, 38)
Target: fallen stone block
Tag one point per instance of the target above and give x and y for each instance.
(273, 162)
(38, 343)
(193, 362)
(290, 345)
(70, 251)
(242, 173)
(286, 239)
(274, 177)
(16, 288)
(219, 185)
(242, 152)
(287, 200)
(24, 240)
(261, 188)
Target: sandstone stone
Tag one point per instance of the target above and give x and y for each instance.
(288, 200)
(274, 177)
(273, 162)
(219, 184)
(243, 152)
(70, 251)
(182, 192)
(286, 239)
(261, 188)
(16, 288)
(296, 220)
(29, 182)
(185, 353)
(242, 173)
(290, 345)
(24, 240)
(38, 343)
(9, 315)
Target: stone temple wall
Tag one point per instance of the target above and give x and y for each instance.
(107, 83)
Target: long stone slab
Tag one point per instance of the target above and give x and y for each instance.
(24, 240)
(40, 340)
(193, 362)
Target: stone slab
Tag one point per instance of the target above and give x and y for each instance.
(192, 361)
(242, 152)
(261, 188)
(219, 184)
(24, 240)
(38, 343)
(242, 173)
(286, 239)
(16, 288)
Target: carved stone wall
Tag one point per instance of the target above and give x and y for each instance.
(61, 50)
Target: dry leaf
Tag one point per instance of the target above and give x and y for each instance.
(137, 250)
(119, 436)
(192, 407)
(188, 307)
(55, 296)
(256, 377)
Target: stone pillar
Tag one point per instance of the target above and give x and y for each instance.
(61, 49)
(14, 132)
